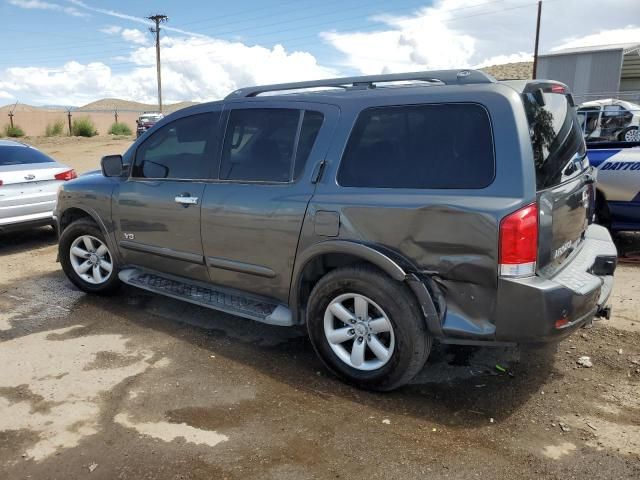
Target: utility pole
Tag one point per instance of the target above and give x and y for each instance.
(11, 114)
(158, 19)
(535, 51)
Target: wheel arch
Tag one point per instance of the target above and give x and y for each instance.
(325, 256)
(72, 214)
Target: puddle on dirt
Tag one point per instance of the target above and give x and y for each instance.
(169, 432)
(61, 413)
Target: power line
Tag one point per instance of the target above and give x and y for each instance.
(288, 43)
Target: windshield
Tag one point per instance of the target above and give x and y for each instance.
(150, 118)
(556, 137)
(19, 155)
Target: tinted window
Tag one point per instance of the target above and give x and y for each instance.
(556, 138)
(10, 155)
(308, 133)
(259, 145)
(422, 146)
(183, 149)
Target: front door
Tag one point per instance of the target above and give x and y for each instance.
(157, 210)
(253, 212)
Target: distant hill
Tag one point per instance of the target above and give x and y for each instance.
(126, 105)
(106, 104)
(510, 71)
(22, 107)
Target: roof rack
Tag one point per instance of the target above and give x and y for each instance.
(446, 77)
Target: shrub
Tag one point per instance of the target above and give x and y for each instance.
(14, 131)
(119, 129)
(55, 129)
(83, 127)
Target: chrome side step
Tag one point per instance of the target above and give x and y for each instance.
(209, 296)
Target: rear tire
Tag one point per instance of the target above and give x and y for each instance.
(380, 346)
(86, 258)
(603, 216)
(630, 134)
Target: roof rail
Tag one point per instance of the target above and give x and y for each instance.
(447, 77)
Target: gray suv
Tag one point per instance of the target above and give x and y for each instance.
(384, 212)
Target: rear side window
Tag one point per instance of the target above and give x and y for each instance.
(10, 155)
(268, 144)
(420, 146)
(556, 137)
(182, 149)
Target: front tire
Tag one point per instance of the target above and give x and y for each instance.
(86, 258)
(367, 328)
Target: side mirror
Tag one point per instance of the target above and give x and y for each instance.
(111, 165)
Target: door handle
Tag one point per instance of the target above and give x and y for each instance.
(186, 200)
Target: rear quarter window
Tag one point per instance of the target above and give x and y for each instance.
(435, 146)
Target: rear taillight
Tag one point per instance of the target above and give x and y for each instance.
(0, 183)
(519, 242)
(68, 175)
(557, 89)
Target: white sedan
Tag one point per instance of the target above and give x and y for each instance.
(29, 182)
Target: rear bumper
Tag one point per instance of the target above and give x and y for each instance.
(528, 308)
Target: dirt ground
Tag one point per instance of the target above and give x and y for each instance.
(137, 386)
(81, 153)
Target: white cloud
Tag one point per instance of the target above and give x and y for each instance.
(40, 5)
(136, 36)
(111, 30)
(192, 69)
(5, 95)
(629, 34)
(463, 33)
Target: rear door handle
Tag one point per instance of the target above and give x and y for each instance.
(186, 200)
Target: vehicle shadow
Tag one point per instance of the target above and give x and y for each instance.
(460, 386)
(628, 244)
(19, 241)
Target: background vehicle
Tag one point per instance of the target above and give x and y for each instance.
(146, 121)
(29, 181)
(610, 120)
(618, 187)
(360, 212)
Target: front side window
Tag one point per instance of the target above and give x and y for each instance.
(420, 146)
(182, 149)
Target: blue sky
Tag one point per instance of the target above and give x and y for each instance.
(75, 51)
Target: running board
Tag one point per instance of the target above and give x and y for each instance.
(209, 296)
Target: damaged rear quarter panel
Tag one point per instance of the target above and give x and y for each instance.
(451, 235)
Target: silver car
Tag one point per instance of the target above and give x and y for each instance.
(29, 182)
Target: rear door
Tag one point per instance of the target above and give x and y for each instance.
(157, 210)
(565, 188)
(253, 210)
